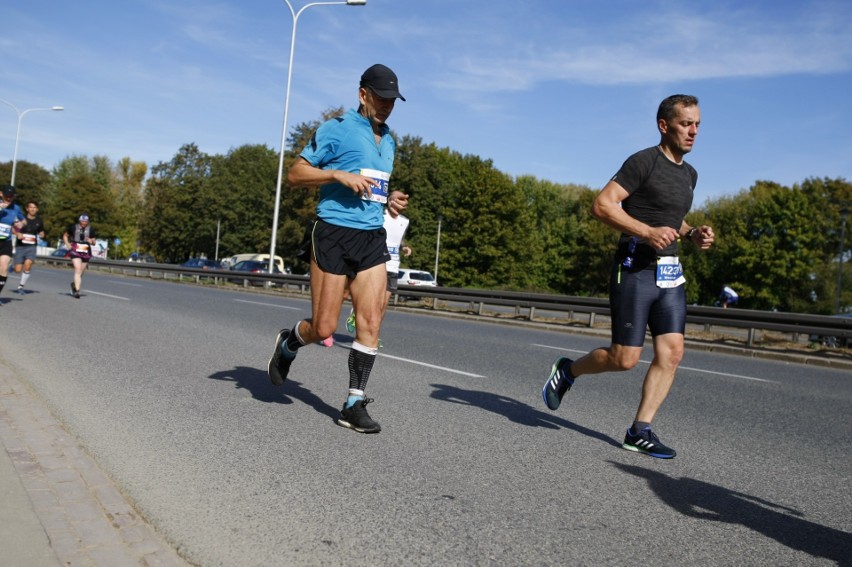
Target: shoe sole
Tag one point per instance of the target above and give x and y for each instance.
(636, 449)
(347, 425)
(274, 375)
(553, 370)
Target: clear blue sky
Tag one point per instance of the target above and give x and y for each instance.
(560, 89)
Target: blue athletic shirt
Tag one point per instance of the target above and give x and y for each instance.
(9, 216)
(347, 143)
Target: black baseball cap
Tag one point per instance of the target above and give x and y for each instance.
(8, 190)
(382, 81)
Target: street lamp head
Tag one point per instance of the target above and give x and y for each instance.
(57, 108)
(356, 2)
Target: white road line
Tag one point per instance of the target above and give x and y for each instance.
(124, 283)
(87, 292)
(752, 378)
(427, 365)
(268, 304)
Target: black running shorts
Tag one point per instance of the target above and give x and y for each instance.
(6, 247)
(636, 302)
(347, 251)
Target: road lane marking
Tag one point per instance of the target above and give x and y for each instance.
(107, 295)
(124, 283)
(728, 374)
(427, 365)
(268, 304)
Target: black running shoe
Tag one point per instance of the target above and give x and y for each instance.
(647, 442)
(357, 418)
(560, 381)
(279, 365)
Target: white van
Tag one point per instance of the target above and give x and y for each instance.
(230, 261)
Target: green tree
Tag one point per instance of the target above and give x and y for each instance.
(177, 199)
(242, 189)
(31, 181)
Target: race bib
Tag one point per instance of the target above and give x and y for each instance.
(380, 193)
(28, 238)
(394, 252)
(669, 272)
(81, 248)
(5, 231)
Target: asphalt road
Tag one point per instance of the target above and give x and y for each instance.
(166, 386)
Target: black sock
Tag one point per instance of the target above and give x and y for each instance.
(360, 365)
(293, 340)
(2, 282)
(639, 426)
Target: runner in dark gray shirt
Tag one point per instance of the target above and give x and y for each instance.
(647, 201)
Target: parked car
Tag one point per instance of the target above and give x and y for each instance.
(202, 264)
(416, 277)
(232, 261)
(137, 257)
(61, 253)
(253, 267)
(833, 341)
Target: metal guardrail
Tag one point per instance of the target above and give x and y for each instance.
(526, 305)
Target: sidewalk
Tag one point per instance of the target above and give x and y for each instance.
(58, 507)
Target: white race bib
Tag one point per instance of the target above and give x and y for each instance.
(669, 272)
(5, 231)
(380, 193)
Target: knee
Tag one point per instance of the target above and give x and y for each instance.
(624, 360)
(323, 330)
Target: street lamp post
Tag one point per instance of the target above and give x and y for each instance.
(438, 247)
(295, 16)
(18, 133)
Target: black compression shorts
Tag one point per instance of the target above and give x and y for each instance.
(636, 302)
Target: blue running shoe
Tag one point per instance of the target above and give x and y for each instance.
(279, 365)
(560, 381)
(350, 322)
(647, 442)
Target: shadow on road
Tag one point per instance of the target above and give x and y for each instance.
(705, 501)
(513, 410)
(256, 381)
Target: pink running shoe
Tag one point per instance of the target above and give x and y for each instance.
(329, 342)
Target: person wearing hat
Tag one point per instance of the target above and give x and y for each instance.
(11, 220)
(79, 238)
(350, 158)
(26, 245)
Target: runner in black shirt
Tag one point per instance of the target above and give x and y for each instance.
(647, 201)
(27, 244)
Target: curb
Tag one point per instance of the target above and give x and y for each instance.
(66, 504)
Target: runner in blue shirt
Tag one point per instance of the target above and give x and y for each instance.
(350, 158)
(11, 220)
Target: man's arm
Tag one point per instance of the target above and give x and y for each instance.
(607, 209)
(302, 173)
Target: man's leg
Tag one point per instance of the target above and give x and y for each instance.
(4, 270)
(668, 352)
(368, 292)
(326, 301)
(27, 266)
(367, 289)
